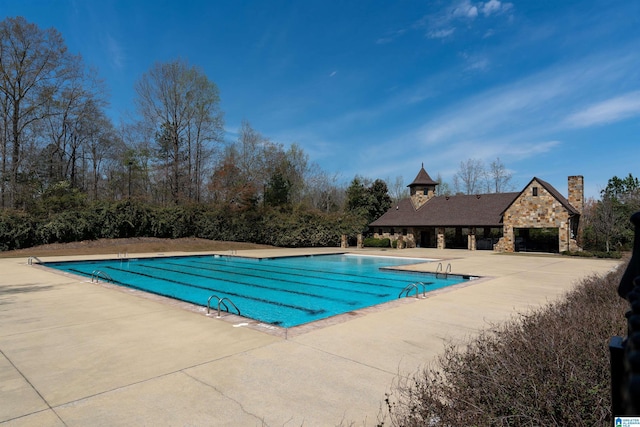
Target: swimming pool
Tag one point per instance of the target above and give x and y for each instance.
(284, 292)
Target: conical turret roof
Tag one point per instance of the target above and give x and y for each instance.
(422, 178)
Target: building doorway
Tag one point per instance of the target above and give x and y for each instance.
(537, 240)
(428, 238)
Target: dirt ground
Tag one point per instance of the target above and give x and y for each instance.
(132, 245)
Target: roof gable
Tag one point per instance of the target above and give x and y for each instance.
(551, 190)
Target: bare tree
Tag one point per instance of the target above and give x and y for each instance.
(322, 190)
(443, 189)
(182, 105)
(34, 66)
(607, 222)
(468, 179)
(498, 177)
(397, 189)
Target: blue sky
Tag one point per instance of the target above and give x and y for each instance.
(376, 88)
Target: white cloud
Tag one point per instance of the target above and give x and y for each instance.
(441, 34)
(115, 52)
(495, 6)
(609, 111)
(465, 10)
(333, 73)
(490, 7)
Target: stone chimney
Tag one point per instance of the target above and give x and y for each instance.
(576, 192)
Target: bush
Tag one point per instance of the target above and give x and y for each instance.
(549, 367)
(17, 230)
(372, 242)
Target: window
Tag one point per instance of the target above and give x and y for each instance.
(380, 231)
(392, 232)
(535, 191)
(404, 231)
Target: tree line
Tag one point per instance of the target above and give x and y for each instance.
(67, 172)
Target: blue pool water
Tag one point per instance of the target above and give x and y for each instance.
(280, 291)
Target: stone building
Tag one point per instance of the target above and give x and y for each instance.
(538, 218)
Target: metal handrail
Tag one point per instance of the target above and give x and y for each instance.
(97, 274)
(32, 258)
(221, 302)
(225, 305)
(446, 272)
(407, 289)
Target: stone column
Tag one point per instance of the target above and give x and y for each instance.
(471, 239)
(360, 242)
(441, 241)
(563, 236)
(343, 242)
(508, 238)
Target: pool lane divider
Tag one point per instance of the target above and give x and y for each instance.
(254, 285)
(309, 311)
(288, 269)
(245, 273)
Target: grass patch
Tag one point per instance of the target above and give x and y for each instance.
(549, 367)
(594, 254)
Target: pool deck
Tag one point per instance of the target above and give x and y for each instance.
(73, 353)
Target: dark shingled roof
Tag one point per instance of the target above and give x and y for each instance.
(422, 178)
(484, 210)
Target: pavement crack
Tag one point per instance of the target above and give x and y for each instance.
(242, 408)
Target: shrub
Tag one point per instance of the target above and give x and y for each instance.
(548, 367)
(67, 226)
(17, 230)
(372, 242)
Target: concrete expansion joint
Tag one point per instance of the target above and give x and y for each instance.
(347, 358)
(220, 392)
(33, 388)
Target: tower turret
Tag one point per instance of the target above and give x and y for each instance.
(422, 189)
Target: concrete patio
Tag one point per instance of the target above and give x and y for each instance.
(74, 353)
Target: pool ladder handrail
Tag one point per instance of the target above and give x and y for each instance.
(407, 290)
(221, 302)
(34, 258)
(97, 274)
(446, 272)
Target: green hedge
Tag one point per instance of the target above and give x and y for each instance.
(288, 228)
(372, 242)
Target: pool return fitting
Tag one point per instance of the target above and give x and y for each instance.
(221, 302)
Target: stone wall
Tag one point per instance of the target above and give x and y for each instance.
(535, 211)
